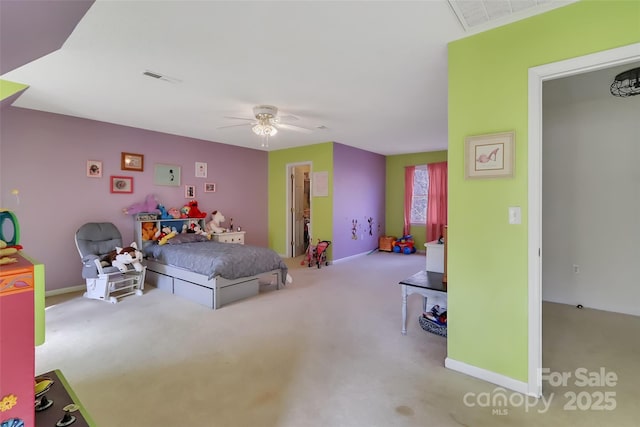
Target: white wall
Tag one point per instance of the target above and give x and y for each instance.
(591, 200)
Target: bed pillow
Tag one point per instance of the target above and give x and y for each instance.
(186, 238)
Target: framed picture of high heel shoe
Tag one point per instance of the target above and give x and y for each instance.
(489, 156)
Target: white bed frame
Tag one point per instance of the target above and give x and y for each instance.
(212, 293)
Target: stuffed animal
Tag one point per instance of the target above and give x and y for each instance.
(8, 250)
(184, 211)
(213, 226)
(194, 212)
(150, 205)
(174, 213)
(162, 236)
(121, 257)
(164, 214)
(195, 228)
(149, 230)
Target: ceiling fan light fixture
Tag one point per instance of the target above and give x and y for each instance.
(264, 129)
(626, 84)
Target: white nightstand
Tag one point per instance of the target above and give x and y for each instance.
(230, 237)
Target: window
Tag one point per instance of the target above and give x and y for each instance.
(419, 196)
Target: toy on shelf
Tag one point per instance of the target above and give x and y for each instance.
(149, 230)
(404, 245)
(149, 205)
(194, 212)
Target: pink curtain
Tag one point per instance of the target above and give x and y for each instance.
(408, 196)
(436, 200)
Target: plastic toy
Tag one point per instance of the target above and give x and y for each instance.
(317, 254)
(404, 245)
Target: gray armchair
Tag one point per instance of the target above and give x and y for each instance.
(94, 241)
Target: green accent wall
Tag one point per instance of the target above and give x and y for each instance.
(487, 257)
(321, 157)
(394, 212)
(8, 88)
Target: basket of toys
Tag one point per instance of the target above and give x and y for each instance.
(434, 321)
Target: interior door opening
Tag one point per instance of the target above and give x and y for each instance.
(298, 209)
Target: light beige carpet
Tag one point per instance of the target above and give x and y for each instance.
(325, 351)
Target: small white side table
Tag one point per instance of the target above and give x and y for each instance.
(425, 283)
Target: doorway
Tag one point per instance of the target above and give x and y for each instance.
(298, 208)
(537, 76)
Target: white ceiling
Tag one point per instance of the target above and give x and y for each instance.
(374, 73)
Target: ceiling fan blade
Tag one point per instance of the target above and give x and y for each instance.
(287, 117)
(234, 126)
(239, 118)
(294, 128)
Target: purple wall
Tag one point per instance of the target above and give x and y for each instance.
(44, 156)
(34, 28)
(358, 194)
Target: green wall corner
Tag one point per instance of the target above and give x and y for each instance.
(394, 209)
(321, 158)
(488, 89)
(9, 88)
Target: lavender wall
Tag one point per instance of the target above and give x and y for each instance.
(44, 156)
(34, 28)
(358, 194)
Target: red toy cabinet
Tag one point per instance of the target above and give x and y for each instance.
(17, 358)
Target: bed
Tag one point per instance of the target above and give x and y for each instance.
(211, 273)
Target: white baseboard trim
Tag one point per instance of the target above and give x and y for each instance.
(489, 376)
(65, 290)
(335, 261)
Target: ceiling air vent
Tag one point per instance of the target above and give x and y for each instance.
(481, 15)
(159, 76)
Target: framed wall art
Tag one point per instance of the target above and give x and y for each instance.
(94, 169)
(132, 162)
(201, 170)
(209, 187)
(121, 184)
(166, 175)
(490, 156)
(189, 191)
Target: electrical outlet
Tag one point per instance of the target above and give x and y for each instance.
(576, 268)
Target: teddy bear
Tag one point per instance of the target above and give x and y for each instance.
(194, 212)
(213, 226)
(149, 205)
(149, 230)
(121, 257)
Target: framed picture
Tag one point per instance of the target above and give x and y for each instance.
(189, 191)
(209, 187)
(489, 156)
(121, 184)
(94, 169)
(201, 170)
(167, 175)
(132, 162)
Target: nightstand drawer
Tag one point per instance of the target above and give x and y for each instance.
(230, 237)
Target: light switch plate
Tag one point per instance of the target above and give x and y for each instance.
(515, 215)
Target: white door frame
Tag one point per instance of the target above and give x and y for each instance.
(289, 226)
(538, 75)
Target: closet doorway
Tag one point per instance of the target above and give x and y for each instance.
(298, 208)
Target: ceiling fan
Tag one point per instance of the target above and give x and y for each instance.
(267, 122)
